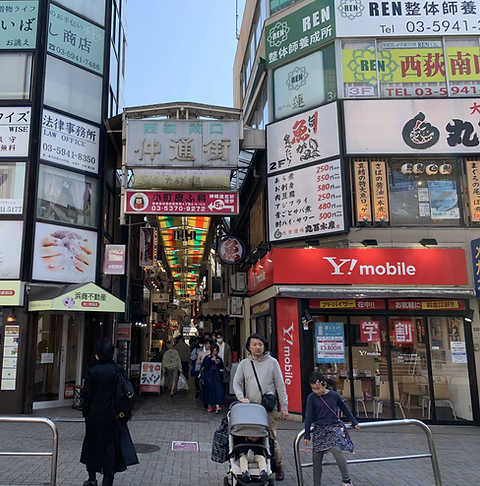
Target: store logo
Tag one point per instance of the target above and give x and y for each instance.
(350, 9)
(297, 78)
(419, 134)
(287, 366)
(364, 66)
(278, 34)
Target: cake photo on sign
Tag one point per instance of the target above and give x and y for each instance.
(66, 250)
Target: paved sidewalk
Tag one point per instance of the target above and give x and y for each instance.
(159, 420)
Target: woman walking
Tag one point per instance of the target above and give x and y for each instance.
(212, 391)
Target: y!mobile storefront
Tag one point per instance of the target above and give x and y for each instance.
(389, 327)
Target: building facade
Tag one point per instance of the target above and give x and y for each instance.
(365, 266)
(65, 62)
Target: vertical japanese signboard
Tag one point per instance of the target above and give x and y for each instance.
(10, 357)
(378, 174)
(330, 342)
(473, 177)
(75, 39)
(475, 248)
(362, 190)
(306, 202)
(302, 139)
(19, 24)
(148, 247)
(114, 260)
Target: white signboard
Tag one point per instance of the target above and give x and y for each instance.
(158, 298)
(306, 202)
(10, 253)
(299, 85)
(182, 143)
(70, 142)
(412, 126)
(459, 352)
(358, 18)
(64, 254)
(303, 139)
(14, 131)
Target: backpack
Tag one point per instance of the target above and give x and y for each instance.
(123, 398)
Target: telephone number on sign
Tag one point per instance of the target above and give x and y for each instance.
(455, 90)
(442, 26)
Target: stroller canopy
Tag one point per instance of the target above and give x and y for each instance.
(248, 419)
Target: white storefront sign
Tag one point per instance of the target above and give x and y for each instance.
(14, 131)
(11, 235)
(362, 18)
(303, 139)
(70, 142)
(158, 298)
(412, 126)
(64, 254)
(299, 85)
(306, 202)
(182, 143)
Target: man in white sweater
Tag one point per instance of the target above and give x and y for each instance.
(270, 376)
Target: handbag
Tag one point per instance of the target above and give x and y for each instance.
(182, 384)
(220, 442)
(269, 400)
(342, 437)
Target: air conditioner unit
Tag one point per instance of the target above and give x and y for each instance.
(238, 282)
(235, 307)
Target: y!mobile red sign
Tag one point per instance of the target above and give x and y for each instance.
(387, 266)
(181, 202)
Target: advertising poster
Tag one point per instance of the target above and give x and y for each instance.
(330, 342)
(459, 352)
(10, 356)
(114, 260)
(64, 254)
(306, 202)
(12, 183)
(70, 142)
(10, 255)
(150, 377)
(14, 131)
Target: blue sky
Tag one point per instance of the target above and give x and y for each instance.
(181, 50)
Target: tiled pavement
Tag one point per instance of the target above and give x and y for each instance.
(159, 420)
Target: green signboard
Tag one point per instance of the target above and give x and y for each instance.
(75, 40)
(276, 5)
(18, 22)
(301, 31)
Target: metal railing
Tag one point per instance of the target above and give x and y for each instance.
(432, 455)
(53, 454)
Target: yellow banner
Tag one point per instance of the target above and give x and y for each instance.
(11, 293)
(410, 65)
(440, 304)
(338, 304)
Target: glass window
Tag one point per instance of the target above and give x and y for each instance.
(12, 184)
(424, 192)
(463, 63)
(67, 196)
(73, 90)
(92, 9)
(17, 84)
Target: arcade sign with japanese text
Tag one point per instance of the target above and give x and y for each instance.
(182, 143)
(363, 18)
(14, 131)
(412, 126)
(18, 20)
(302, 139)
(181, 202)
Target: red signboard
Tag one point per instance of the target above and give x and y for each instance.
(403, 332)
(369, 331)
(339, 266)
(181, 202)
(289, 351)
(231, 250)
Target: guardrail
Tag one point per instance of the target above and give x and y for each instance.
(53, 454)
(388, 423)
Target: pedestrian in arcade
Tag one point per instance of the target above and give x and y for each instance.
(225, 352)
(246, 387)
(107, 446)
(171, 366)
(184, 351)
(329, 432)
(212, 392)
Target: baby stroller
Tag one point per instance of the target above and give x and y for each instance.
(248, 420)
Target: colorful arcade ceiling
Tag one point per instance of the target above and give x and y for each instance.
(183, 239)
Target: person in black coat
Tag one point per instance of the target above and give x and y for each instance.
(107, 447)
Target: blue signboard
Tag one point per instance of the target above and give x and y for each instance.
(330, 342)
(475, 246)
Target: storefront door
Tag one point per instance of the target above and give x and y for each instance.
(58, 360)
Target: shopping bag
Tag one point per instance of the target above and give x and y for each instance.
(220, 442)
(182, 384)
(162, 380)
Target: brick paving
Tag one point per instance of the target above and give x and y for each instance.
(159, 420)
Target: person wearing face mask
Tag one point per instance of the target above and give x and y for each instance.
(196, 365)
(225, 354)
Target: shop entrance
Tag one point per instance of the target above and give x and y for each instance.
(58, 359)
(397, 366)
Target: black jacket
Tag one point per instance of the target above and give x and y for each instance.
(107, 447)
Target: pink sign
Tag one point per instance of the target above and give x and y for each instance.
(181, 202)
(184, 446)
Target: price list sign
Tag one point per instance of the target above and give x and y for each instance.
(306, 202)
(330, 342)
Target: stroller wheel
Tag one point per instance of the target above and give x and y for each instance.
(226, 481)
(271, 482)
